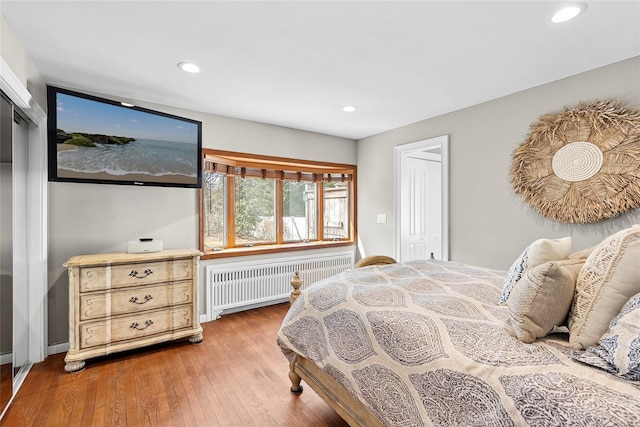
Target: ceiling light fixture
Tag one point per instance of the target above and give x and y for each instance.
(126, 104)
(568, 12)
(189, 67)
(349, 109)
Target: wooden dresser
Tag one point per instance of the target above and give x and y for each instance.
(123, 301)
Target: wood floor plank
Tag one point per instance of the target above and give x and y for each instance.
(110, 395)
(237, 377)
(172, 395)
(76, 410)
(181, 377)
(146, 394)
(130, 402)
(89, 399)
(117, 403)
(217, 403)
(71, 395)
(105, 387)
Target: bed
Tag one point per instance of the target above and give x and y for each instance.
(427, 343)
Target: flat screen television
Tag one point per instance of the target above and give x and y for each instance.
(96, 140)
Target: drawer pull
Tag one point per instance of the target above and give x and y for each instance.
(147, 298)
(134, 273)
(135, 325)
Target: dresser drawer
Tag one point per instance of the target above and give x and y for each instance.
(133, 327)
(125, 301)
(102, 277)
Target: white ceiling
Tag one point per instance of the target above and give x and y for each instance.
(297, 63)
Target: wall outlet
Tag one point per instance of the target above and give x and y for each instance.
(382, 218)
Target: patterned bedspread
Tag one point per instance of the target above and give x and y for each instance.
(424, 343)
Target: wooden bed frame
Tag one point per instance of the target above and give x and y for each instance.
(336, 396)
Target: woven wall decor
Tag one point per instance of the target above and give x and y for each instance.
(581, 165)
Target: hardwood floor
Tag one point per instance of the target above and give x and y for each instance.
(5, 384)
(236, 377)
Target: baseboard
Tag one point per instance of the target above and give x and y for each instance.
(256, 305)
(58, 348)
(244, 307)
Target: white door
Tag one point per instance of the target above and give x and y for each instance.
(421, 206)
(421, 182)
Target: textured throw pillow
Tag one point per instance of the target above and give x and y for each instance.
(582, 254)
(538, 252)
(542, 298)
(609, 277)
(619, 349)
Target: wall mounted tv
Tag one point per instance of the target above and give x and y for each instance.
(96, 140)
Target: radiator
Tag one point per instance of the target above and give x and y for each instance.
(240, 286)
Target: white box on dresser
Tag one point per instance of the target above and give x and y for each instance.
(122, 301)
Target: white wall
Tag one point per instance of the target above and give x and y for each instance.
(489, 224)
(13, 53)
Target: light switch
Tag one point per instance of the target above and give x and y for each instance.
(382, 218)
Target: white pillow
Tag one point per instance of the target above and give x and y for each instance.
(609, 277)
(619, 349)
(538, 252)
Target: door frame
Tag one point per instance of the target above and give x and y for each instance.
(423, 145)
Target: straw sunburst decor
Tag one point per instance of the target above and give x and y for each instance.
(581, 165)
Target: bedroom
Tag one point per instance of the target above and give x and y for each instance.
(483, 137)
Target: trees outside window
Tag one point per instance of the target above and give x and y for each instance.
(254, 211)
(213, 195)
(336, 210)
(252, 204)
(299, 211)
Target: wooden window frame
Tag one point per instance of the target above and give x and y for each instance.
(279, 168)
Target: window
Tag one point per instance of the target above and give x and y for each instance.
(336, 214)
(254, 211)
(299, 211)
(256, 204)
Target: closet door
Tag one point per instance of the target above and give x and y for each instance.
(6, 252)
(14, 285)
(20, 232)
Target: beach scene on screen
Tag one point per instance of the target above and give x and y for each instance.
(102, 141)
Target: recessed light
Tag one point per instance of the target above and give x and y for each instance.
(126, 104)
(568, 12)
(349, 108)
(189, 67)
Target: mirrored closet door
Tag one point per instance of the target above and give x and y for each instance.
(14, 343)
(6, 253)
